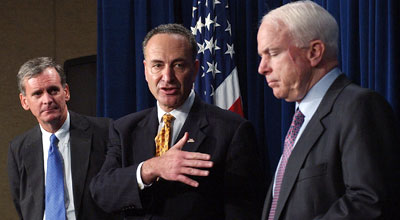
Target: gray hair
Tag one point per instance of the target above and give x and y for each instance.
(35, 67)
(172, 29)
(307, 21)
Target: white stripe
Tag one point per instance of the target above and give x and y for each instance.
(228, 92)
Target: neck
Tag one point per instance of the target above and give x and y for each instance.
(318, 73)
(54, 125)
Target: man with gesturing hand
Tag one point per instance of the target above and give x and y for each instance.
(211, 172)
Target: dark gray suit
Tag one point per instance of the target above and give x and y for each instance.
(346, 163)
(233, 190)
(88, 141)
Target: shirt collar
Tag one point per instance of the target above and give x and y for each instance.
(181, 112)
(313, 98)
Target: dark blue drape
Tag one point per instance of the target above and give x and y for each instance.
(369, 55)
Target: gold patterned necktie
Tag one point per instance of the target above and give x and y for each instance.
(164, 136)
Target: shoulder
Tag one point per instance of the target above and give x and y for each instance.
(356, 96)
(26, 136)
(219, 119)
(215, 113)
(25, 139)
(78, 120)
(133, 119)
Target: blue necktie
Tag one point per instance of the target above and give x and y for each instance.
(55, 207)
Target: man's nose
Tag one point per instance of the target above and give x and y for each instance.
(47, 98)
(168, 74)
(264, 67)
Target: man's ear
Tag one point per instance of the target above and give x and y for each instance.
(145, 70)
(67, 94)
(196, 69)
(24, 102)
(316, 52)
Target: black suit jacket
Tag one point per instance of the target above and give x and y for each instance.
(233, 190)
(88, 141)
(346, 163)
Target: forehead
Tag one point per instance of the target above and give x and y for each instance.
(272, 34)
(163, 43)
(49, 77)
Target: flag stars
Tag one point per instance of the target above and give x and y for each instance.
(211, 45)
(230, 50)
(209, 21)
(212, 90)
(199, 25)
(216, 2)
(215, 21)
(213, 68)
(194, 31)
(229, 28)
(201, 48)
(193, 9)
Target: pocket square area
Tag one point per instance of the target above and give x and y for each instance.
(191, 140)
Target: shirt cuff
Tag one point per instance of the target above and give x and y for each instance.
(139, 178)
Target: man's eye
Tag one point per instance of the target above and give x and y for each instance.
(179, 66)
(274, 54)
(53, 91)
(156, 67)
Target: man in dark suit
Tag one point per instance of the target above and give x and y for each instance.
(341, 154)
(82, 143)
(212, 172)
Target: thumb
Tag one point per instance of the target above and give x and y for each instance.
(181, 142)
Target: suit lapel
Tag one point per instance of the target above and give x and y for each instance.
(80, 143)
(307, 140)
(33, 156)
(194, 123)
(144, 139)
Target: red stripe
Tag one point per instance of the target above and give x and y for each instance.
(237, 107)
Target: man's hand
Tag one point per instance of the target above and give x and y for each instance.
(177, 165)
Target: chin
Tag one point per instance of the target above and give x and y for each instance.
(51, 118)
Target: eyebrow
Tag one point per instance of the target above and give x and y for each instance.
(271, 49)
(179, 59)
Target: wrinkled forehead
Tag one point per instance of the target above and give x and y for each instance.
(167, 40)
(272, 33)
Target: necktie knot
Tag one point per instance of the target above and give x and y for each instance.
(53, 143)
(298, 118)
(53, 139)
(167, 118)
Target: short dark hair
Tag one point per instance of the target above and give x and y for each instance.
(36, 66)
(172, 29)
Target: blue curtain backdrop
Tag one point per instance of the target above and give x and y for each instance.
(369, 40)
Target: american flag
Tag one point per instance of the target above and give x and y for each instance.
(217, 81)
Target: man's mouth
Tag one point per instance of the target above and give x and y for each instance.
(169, 90)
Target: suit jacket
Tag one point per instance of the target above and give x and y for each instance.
(345, 165)
(88, 142)
(233, 190)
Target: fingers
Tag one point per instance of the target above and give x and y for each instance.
(195, 156)
(181, 142)
(186, 180)
(194, 172)
(178, 165)
(197, 163)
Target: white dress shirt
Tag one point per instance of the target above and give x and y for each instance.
(64, 147)
(309, 105)
(180, 114)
